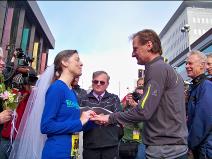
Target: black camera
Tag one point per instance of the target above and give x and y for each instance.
(23, 59)
(19, 73)
(136, 96)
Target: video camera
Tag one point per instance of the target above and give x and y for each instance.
(23, 59)
(19, 71)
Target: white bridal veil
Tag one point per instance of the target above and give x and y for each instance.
(29, 141)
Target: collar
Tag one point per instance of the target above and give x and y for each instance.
(196, 81)
(209, 77)
(153, 61)
(92, 94)
(96, 95)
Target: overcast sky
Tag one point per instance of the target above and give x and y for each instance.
(100, 32)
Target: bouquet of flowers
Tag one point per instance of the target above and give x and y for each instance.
(10, 99)
(8, 96)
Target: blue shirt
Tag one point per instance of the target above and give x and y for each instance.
(61, 118)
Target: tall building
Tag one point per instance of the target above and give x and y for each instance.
(203, 44)
(197, 15)
(189, 28)
(22, 25)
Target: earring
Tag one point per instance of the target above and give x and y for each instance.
(57, 74)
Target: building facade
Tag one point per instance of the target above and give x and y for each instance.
(197, 15)
(176, 44)
(203, 44)
(22, 25)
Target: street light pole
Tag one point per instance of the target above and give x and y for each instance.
(186, 29)
(119, 89)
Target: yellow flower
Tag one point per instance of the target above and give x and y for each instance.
(11, 97)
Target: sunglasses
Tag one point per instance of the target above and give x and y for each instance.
(98, 82)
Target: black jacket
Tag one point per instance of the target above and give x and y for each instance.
(102, 136)
(80, 92)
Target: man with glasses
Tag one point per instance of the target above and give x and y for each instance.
(101, 142)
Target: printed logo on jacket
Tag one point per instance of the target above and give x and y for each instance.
(72, 104)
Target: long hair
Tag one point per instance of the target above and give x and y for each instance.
(61, 56)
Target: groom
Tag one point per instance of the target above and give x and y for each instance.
(162, 107)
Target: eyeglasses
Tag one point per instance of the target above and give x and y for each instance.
(98, 82)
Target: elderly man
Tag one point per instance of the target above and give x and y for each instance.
(101, 142)
(5, 115)
(209, 65)
(199, 107)
(162, 107)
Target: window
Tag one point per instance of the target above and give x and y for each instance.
(206, 20)
(199, 31)
(207, 49)
(194, 20)
(203, 20)
(198, 20)
(182, 70)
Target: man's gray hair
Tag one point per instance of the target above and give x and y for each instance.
(209, 55)
(201, 55)
(97, 73)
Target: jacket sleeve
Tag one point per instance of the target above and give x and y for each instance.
(153, 91)
(49, 122)
(117, 104)
(202, 120)
(89, 125)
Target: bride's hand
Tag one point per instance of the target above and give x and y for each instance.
(86, 115)
(102, 119)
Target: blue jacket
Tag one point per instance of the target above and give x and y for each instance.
(200, 116)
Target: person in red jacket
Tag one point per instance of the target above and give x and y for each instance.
(20, 110)
(6, 139)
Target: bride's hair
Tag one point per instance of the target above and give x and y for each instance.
(61, 56)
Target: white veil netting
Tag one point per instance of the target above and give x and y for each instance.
(29, 141)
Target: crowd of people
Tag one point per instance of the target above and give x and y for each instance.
(157, 120)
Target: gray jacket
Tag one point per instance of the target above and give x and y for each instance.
(162, 107)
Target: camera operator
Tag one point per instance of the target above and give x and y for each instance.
(23, 77)
(131, 144)
(24, 84)
(18, 67)
(136, 95)
(21, 57)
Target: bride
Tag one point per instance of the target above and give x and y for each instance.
(52, 109)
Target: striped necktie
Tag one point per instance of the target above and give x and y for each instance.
(99, 98)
